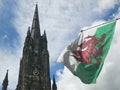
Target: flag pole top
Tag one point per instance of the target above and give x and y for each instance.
(100, 24)
(117, 18)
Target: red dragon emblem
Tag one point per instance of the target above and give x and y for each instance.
(87, 50)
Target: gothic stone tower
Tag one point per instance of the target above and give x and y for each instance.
(34, 65)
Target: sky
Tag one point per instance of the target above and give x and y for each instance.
(62, 20)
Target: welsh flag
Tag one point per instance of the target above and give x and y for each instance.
(85, 56)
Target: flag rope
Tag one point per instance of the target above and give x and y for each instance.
(100, 24)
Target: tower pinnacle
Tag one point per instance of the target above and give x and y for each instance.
(5, 82)
(54, 86)
(35, 30)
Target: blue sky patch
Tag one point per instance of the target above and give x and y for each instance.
(8, 34)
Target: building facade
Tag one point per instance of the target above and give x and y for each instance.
(34, 71)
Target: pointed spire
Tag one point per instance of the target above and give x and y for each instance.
(35, 30)
(28, 33)
(6, 77)
(54, 86)
(5, 82)
(44, 32)
(45, 35)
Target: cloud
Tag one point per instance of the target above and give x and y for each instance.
(0, 4)
(118, 14)
(62, 20)
(5, 37)
(104, 5)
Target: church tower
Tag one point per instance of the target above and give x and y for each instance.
(34, 66)
(5, 82)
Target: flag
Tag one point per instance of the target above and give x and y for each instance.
(85, 56)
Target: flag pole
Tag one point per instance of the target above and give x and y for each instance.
(100, 24)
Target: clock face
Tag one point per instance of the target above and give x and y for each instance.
(36, 51)
(35, 71)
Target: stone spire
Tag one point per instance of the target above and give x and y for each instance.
(34, 66)
(54, 86)
(35, 30)
(5, 82)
